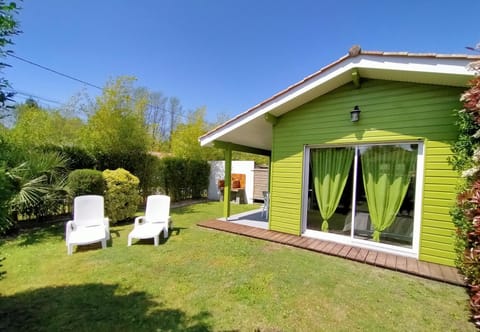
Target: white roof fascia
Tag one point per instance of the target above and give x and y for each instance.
(277, 102)
(449, 66)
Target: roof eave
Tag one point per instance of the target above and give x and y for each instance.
(421, 68)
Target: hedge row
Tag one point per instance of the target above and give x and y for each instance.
(184, 179)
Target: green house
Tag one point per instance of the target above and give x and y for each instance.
(359, 152)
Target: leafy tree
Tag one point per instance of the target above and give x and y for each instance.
(35, 127)
(117, 123)
(175, 112)
(185, 142)
(8, 28)
(156, 118)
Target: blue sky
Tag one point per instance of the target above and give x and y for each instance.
(225, 55)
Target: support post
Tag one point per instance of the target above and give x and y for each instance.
(356, 79)
(228, 182)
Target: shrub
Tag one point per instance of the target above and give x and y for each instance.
(39, 186)
(86, 182)
(122, 196)
(466, 213)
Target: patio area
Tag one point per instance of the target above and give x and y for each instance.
(252, 224)
(252, 218)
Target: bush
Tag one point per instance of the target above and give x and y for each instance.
(466, 213)
(122, 196)
(183, 179)
(86, 182)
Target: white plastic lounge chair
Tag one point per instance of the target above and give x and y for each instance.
(89, 224)
(155, 220)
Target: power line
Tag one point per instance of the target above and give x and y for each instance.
(72, 78)
(55, 71)
(30, 95)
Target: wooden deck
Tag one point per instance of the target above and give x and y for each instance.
(393, 262)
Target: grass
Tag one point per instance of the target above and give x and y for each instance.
(205, 280)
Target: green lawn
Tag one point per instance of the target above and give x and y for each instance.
(205, 280)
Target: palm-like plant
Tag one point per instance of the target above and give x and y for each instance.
(39, 185)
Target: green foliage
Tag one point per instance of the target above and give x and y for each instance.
(258, 159)
(466, 213)
(35, 127)
(86, 182)
(198, 173)
(184, 140)
(183, 179)
(117, 123)
(6, 194)
(76, 156)
(39, 184)
(141, 164)
(149, 174)
(8, 28)
(121, 196)
(466, 141)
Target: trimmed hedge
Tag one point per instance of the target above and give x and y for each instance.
(86, 182)
(122, 196)
(183, 179)
(141, 164)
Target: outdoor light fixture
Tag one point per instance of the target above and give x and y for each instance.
(355, 114)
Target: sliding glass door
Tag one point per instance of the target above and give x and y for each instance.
(363, 193)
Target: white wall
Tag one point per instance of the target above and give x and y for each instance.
(217, 172)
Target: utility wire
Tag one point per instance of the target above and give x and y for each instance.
(30, 95)
(54, 71)
(73, 78)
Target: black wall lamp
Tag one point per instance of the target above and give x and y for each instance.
(355, 114)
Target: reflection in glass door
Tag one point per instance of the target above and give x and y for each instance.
(371, 187)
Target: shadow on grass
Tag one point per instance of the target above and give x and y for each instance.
(94, 307)
(36, 235)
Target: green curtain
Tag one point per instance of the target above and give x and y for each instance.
(330, 168)
(387, 171)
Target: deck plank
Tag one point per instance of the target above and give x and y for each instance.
(391, 262)
(371, 257)
(400, 263)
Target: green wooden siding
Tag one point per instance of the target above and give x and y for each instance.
(391, 111)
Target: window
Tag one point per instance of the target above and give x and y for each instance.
(363, 193)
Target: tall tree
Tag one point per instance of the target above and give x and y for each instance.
(175, 111)
(117, 123)
(185, 142)
(156, 119)
(8, 28)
